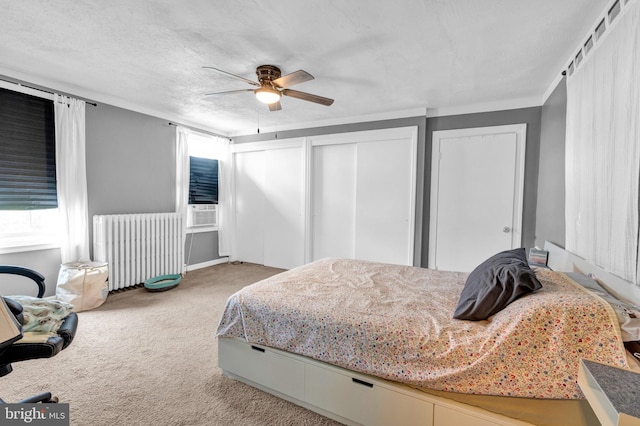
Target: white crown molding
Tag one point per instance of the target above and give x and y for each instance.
(415, 112)
(528, 102)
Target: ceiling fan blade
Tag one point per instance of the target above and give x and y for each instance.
(295, 77)
(246, 80)
(275, 106)
(229, 92)
(307, 97)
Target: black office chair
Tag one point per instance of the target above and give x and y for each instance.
(20, 350)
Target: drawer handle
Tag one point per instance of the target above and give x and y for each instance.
(362, 382)
(255, 348)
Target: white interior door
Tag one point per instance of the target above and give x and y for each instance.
(476, 195)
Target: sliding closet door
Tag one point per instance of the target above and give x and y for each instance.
(334, 201)
(363, 195)
(349, 195)
(283, 215)
(384, 202)
(269, 203)
(249, 206)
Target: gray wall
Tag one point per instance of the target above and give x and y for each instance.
(201, 247)
(550, 224)
(131, 169)
(47, 262)
(130, 162)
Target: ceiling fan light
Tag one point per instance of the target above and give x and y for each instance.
(267, 95)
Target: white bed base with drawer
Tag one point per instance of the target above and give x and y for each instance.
(345, 396)
(357, 399)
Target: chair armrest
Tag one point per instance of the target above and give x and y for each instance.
(68, 329)
(15, 308)
(37, 277)
(44, 346)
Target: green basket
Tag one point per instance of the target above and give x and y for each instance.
(163, 282)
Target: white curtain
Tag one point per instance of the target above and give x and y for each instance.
(71, 176)
(603, 151)
(225, 209)
(182, 180)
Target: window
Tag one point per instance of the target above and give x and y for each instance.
(578, 58)
(600, 29)
(614, 11)
(203, 181)
(28, 196)
(588, 45)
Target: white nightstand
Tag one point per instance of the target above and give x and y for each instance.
(613, 393)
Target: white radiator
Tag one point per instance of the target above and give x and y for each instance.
(138, 246)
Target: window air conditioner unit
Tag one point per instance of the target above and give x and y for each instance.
(202, 215)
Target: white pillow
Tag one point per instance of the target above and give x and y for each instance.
(628, 314)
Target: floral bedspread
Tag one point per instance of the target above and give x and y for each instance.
(395, 322)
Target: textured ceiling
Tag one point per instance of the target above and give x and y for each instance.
(375, 58)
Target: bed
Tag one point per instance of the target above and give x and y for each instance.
(371, 343)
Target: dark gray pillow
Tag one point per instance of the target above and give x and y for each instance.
(494, 284)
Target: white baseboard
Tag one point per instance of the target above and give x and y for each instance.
(207, 264)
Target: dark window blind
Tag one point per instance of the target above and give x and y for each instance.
(27, 152)
(203, 181)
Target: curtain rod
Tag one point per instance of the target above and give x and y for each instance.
(22, 84)
(201, 131)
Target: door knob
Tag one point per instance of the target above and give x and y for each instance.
(506, 229)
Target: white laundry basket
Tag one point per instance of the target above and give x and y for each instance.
(83, 284)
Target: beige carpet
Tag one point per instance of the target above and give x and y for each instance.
(148, 358)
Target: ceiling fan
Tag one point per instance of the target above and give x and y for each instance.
(272, 85)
